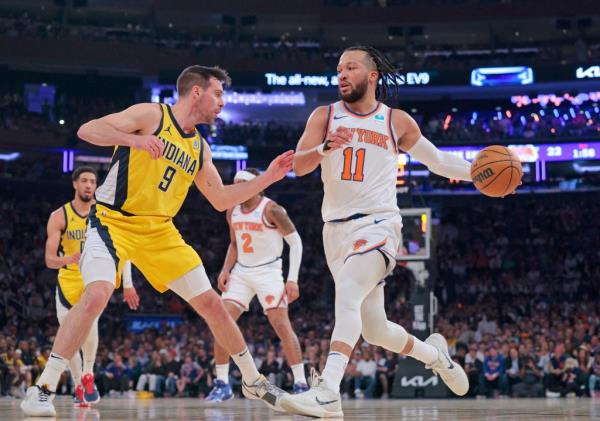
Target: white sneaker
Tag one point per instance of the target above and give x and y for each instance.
(319, 401)
(450, 371)
(261, 389)
(38, 402)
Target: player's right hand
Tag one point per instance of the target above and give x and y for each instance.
(339, 138)
(149, 143)
(74, 258)
(223, 281)
(280, 166)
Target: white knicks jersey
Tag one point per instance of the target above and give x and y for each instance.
(258, 243)
(361, 176)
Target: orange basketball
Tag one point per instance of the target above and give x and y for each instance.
(496, 171)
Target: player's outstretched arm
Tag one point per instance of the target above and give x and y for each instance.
(223, 197)
(316, 142)
(416, 145)
(132, 127)
(54, 229)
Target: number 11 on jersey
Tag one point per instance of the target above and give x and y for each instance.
(360, 164)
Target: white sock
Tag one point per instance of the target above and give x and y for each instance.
(246, 365)
(75, 367)
(89, 349)
(55, 366)
(299, 375)
(334, 370)
(223, 372)
(423, 352)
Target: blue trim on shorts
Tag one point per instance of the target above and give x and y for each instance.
(257, 266)
(104, 235)
(62, 298)
(122, 157)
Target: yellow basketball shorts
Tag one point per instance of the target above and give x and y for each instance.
(152, 243)
(70, 287)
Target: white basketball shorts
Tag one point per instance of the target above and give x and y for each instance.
(266, 282)
(342, 240)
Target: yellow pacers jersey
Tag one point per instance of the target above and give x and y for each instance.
(138, 185)
(70, 282)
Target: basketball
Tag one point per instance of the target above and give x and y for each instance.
(496, 171)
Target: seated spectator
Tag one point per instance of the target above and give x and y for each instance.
(154, 377)
(556, 370)
(172, 369)
(531, 385)
(594, 378)
(365, 378)
(385, 370)
(189, 376)
(271, 370)
(570, 380)
(474, 369)
(492, 381)
(117, 376)
(513, 369)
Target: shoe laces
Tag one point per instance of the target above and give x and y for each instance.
(439, 369)
(264, 386)
(316, 381)
(43, 393)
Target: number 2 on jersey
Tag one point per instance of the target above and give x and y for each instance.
(358, 169)
(246, 247)
(167, 178)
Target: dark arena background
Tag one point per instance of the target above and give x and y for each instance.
(512, 283)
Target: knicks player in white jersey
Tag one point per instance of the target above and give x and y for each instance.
(257, 229)
(356, 142)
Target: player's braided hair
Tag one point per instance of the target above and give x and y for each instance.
(388, 74)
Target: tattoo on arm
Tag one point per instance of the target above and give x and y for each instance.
(279, 217)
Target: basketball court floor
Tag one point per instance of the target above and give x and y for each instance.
(425, 410)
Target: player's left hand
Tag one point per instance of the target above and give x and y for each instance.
(131, 298)
(292, 291)
(280, 166)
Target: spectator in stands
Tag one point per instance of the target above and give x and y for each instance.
(594, 378)
(514, 365)
(555, 384)
(383, 373)
(153, 377)
(531, 385)
(364, 381)
(172, 369)
(493, 380)
(270, 368)
(189, 377)
(474, 369)
(117, 376)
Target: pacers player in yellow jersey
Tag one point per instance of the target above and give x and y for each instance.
(66, 235)
(158, 154)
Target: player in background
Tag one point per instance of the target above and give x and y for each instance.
(66, 235)
(257, 229)
(356, 142)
